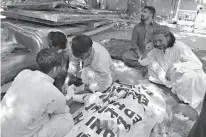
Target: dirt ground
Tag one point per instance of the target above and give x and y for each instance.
(195, 41)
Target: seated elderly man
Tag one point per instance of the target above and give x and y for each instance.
(33, 106)
(92, 63)
(173, 64)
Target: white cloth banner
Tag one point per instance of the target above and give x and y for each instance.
(130, 111)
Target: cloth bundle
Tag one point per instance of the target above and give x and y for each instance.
(125, 110)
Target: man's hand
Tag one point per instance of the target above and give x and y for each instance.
(79, 89)
(64, 88)
(149, 46)
(169, 73)
(82, 89)
(144, 55)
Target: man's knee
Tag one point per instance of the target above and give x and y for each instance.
(131, 59)
(154, 66)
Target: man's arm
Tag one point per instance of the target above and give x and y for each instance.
(84, 88)
(135, 34)
(188, 60)
(74, 67)
(55, 101)
(147, 57)
(100, 83)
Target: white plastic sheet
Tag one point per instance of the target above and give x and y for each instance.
(134, 111)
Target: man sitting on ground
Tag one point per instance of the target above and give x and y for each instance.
(173, 64)
(141, 35)
(92, 63)
(33, 106)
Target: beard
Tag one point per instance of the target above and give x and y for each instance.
(143, 18)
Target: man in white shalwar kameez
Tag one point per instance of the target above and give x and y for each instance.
(33, 106)
(173, 64)
(92, 63)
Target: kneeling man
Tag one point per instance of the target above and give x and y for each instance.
(33, 106)
(92, 63)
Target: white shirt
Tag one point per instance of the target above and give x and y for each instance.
(101, 66)
(180, 56)
(28, 103)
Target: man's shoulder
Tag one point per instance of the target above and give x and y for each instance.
(100, 52)
(180, 46)
(98, 47)
(23, 73)
(96, 43)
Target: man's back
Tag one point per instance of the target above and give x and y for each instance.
(26, 105)
(101, 55)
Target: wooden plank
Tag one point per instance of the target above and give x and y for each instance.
(95, 31)
(42, 21)
(92, 25)
(72, 30)
(36, 5)
(59, 17)
(98, 30)
(53, 16)
(67, 29)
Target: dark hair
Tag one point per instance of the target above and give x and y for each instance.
(151, 9)
(81, 44)
(57, 39)
(172, 39)
(47, 59)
